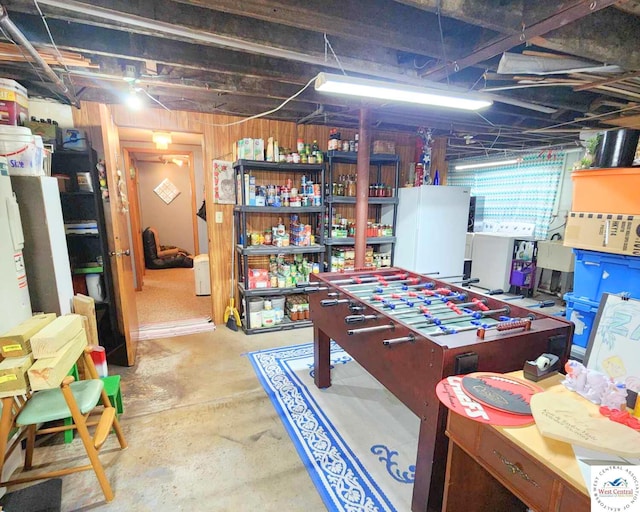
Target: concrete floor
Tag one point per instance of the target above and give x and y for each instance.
(202, 434)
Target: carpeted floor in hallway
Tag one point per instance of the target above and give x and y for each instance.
(169, 294)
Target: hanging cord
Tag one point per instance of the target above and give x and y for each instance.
(444, 53)
(262, 114)
(53, 43)
(55, 46)
(154, 99)
(327, 44)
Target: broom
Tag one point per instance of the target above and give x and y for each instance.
(231, 315)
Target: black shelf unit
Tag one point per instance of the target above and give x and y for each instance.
(387, 205)
(312, 215)
(91, 248)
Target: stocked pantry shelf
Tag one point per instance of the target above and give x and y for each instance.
(289, 237)
(341, 200)
(265, 250)
(259, 165)
(352, 200)
(352, 157)
(373, 240)
(279, 210)
(270, 292)
(285, 325)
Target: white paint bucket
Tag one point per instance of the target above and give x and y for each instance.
(24, 151)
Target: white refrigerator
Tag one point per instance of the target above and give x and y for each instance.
(15, 305)
(431, 229)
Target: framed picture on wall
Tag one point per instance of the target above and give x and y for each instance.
(615, 340)
(223, 183)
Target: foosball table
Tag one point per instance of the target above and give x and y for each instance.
(409, 331)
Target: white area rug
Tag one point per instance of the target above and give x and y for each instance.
(175, 328)
(356, 439)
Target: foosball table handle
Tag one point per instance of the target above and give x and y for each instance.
(404, 339)
(524, 323)
(356, 319)
(356, 308)
(375, 328)
(332, 302)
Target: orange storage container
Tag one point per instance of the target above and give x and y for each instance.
(615, 190)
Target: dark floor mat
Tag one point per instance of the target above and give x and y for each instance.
(43, 497)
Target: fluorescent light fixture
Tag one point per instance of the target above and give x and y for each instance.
(480, 165)
(339, 84)
(161, 139)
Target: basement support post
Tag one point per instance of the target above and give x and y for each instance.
(362, 188)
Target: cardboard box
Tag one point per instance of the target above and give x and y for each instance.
(258, 149)
(245, 149)
(13, 376)
(14, 103)
(16, 342)
(50, 133)
(384, 147)
(605, 232)
(54, 336)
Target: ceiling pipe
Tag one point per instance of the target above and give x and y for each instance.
(20, 39)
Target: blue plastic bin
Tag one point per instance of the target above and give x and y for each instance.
(596, 273)
(582, 313)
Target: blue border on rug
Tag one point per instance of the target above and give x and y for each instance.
(348, 486)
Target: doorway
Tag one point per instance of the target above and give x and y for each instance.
(166, 187)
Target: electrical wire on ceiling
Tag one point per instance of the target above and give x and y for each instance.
(46, 26)
(154, 99)
(542, 130)
(262, 114)
(327, 44)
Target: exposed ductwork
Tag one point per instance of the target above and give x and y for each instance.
(20, 39)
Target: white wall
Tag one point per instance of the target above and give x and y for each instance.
(172, 221)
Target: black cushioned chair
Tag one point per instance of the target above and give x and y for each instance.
(161, 256)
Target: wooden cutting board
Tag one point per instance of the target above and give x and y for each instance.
(565, 418)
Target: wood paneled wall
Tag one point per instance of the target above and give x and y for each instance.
(218, 138)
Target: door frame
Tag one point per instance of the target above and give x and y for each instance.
(122, 263)
(136, 211)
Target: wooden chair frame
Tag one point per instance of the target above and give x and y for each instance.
(12, 407)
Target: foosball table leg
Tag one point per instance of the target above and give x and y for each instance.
(322, 358)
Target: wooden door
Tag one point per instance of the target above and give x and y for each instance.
(121, 254)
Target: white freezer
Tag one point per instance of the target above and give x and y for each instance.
(431, 229)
